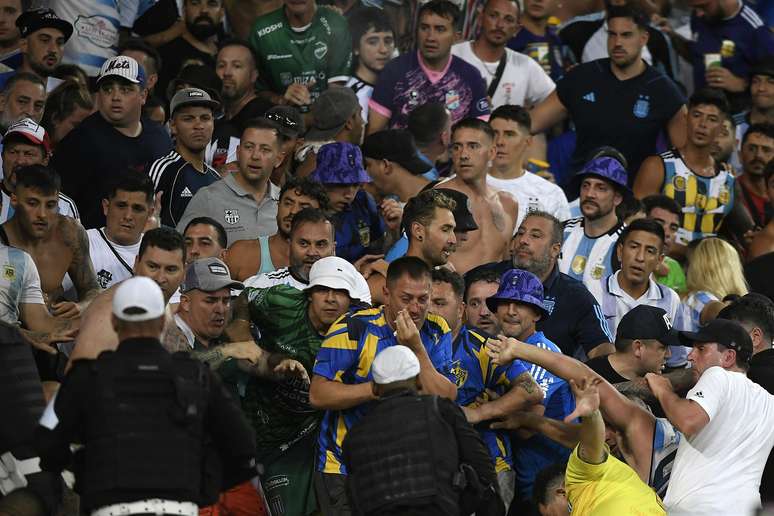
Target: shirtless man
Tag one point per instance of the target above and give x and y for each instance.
(473, 150)
(246, 258)
(57, 244)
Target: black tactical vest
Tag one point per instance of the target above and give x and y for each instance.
(402, 454)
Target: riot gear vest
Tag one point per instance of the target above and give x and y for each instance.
(145, 431)
(402, 454)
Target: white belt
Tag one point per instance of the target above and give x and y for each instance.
(153, 506)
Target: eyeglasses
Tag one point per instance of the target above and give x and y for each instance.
(282, 119)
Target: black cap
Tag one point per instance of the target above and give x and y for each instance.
(727, 333)
(463, 218)
(396, 145)
(32, 21)
(646, 322)
(289, 120)
(764, 67)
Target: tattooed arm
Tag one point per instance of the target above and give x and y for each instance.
(81, 269)
(682, 380)
(523, 394)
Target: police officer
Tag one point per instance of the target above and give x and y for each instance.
(408, 454)
(160, 435)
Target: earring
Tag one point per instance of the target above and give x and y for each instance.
(419, 238)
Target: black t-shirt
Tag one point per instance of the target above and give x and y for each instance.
(173, 55)
(627, 115)
(227, 133)
(92, 153)
(758, 274)
(601, 366)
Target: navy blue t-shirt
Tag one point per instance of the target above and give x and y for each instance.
(751, 37)
(91, 155)
(627, 115)
(524, 41)
(359, 229)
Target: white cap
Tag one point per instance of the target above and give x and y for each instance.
(395, 364)
(122, 66)
(138, 299)
(338, 273)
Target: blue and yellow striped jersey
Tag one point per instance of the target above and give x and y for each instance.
(346, 356)
(474, 372)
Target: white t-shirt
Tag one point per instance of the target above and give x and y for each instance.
(533, 193)
(19, 283)
(112, 262)
(523, 83)
(596, 47)
(718, 470)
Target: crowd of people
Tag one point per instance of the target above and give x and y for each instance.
(442, 257)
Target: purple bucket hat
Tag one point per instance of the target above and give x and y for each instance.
(521, 286)
(340, 163)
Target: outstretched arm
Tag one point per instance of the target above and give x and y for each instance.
(523, 394)
(81, 270)
(566, 434)
(591, 448)
(686, 415)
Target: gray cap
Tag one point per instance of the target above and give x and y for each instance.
(331, 111)
(192, 97)
(289, 120)
(208, 275)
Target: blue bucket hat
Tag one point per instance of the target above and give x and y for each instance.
(521, 286)
(606, 168)
(340, 163)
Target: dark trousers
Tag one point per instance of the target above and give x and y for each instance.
(332, 496)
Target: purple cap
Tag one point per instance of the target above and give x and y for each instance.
(607, 168)
(520, 286)
(340, 163)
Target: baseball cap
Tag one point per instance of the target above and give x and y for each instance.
(340, 163)
(394, 364)
(289, 120)
(648, 322)
(463, 217)
(606, 168)
(337, 273)
(331, 111)
(138, 299)
(31, 21)
(208, 275)
(31, 131)
(396, 145)
(521, 286)
(122, 66)
(730, 334)
(763, 67)
(192, 97)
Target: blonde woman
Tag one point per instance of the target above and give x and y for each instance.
(714, 272)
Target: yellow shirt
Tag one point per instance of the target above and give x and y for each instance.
(608, 489)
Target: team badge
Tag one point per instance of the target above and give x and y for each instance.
(452, 100)
(597, 271)
(365, 233)
(413, 98)
(642, 106)
(549, 305)
(679, 183)
(231, 216)
(578, 264)
(460, 374)
(104, 278)
(701, 201)
(320, 49)
(724, 195)
(9, 272)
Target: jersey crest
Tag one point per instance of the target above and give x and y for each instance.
(642, 106)
(231, 216)
(460, 374)
(9, 272)
(104, 278)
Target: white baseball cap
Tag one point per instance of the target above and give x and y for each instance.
(395, 364)
(338, 273)
(138, 299)
(122, 66)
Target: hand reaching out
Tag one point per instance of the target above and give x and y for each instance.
(586, 394)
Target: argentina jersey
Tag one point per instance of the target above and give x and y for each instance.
(539, 451)
(473, 373)
(346, 356)
(704, 201)
(666, 439)
(95, 32)
(584, 258)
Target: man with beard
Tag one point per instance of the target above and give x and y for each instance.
(204, 237)
(236, 65)
(757, 153)
(512, 78)
(723, 149)
(495, 213)
(292, 324)
(266, 254)
(23, 96)
(311, 238)
(481, 283)
(197, 43)
(301, 50)
(589, 241)
(181, 173)
(691, 168)
(620, 101)
(44, 35)
(57, 244)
